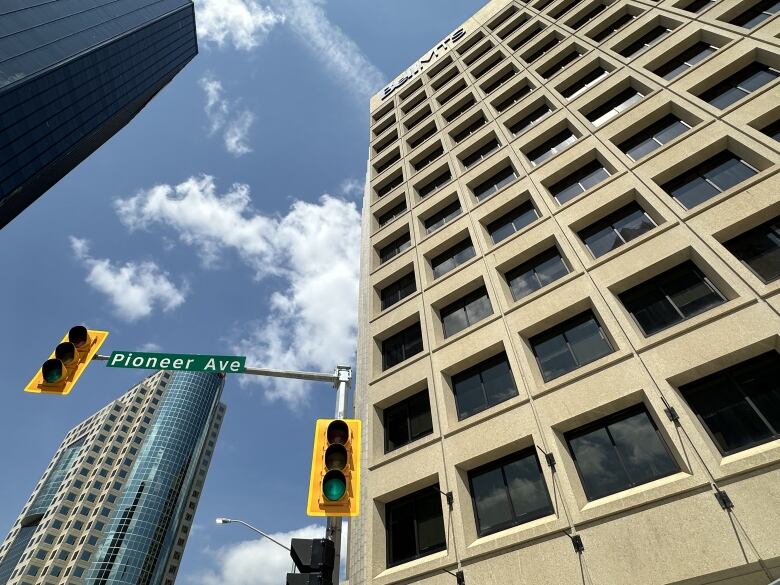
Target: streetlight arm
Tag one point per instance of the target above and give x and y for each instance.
(260, 532)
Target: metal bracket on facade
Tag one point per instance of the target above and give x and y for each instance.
(548, 457)
(460, 579)
(723, 499)
(450, 499)
(671, 413)
(576, 541)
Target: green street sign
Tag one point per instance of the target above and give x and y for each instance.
(228, 364)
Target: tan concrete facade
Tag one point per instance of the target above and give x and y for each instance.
(106, 447)
(671, 530)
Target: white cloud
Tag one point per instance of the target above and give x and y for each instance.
(339, 54)
(313, 249)
(134, 289)
(225, 117)
(259, 562)
(352, 188)
(242, 23)
(154, 347)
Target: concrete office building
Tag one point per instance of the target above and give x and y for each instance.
(116, 504)
(72, 74)
(570, 315)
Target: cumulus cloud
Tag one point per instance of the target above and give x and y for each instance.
(244, 24)
(352, 188)
(313, 250)
(337, 52)
(133, 289)
(259, 562)
(226, 117)
(154, 347)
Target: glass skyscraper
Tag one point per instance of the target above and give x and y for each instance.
(118, 500)
(72, 73)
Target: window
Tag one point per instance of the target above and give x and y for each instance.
(570, 345)
(495, 183)
(499, 81)
(552, 146)
(698, 5)
(512, 221)
(536, 273)
(544, 48)
(529, 120)
(456, 112)
(739, 406)
(415, 526)
(466, 311)
(407, 421)
(481, 153)
(620, 452)
(589, 15)
(647, 40)
(400, 289)
(685, 60)
(773, 130)
(423, 162)
(757, 13)
(442, 216)
(452, 258)
(614, 106)
(401, 346)
(436, 183)
(616, 229)
(387, 163)
(529, 33)
(586, 81)
(390, 185)
(708, 179)
(394, 248)
(588, 176)
(759, 249)
(674, 296)
(514, 97)
(613, 27)
(654, 136)
(561, 64)
(472, 127)
(483, 386)
(509, 492)
(391, 214)
(422, 136)
(743, 82)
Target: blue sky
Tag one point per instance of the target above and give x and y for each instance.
(223, 219)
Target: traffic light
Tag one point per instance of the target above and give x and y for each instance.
(315, 559)
(334, 486)
(59, 373)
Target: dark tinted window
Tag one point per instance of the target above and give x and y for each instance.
(481, 153)
(407, 421)
(552, 146)
(394, 248)
(620, 452)
(538, 272)
(513, 98)
(495, 183)
(708, 179)
(745, 81)
(483, 386)
(739, 406)
(588, 176)
(645, 41)
(512, 221)
(685, 60)
(759, 249)
(397, 291)
(385, 164)
(390, 215)
(542, 49)
(456, 112)
(570, 345)
(698, 5)
(676, 295)
(654, 136)
(613, 26)
(614, 106)
(415, 526)
(442, 216)
(465, 312)
(452, 258)
(429, 158)
(758, 13)
(529, 120)
(390, 185)
(773, 130)
(509, 492)
(616, 229)
(499, 81)
(436, 183)
(588, 16)
(469, 129)
(401, 346)
(561, 64)
(588, 80)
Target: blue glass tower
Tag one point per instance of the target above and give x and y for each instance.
(72, 74)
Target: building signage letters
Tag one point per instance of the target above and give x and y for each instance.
(427, 59)
(228, 364)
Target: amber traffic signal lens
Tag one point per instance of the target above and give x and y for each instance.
(336, 457)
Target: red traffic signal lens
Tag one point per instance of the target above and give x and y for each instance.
(53, 371)
(79, 336)
(66, 352)
(338, 433)
(334, 485)
(336, 457)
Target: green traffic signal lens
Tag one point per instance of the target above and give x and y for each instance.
(338, 432)
(65, 352)
(53, 371)
(334, 485)
(336, 457)
(78, 335)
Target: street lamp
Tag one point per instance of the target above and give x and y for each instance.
(260, 532)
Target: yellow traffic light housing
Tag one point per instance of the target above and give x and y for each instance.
(334, 485)
(59, 373)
